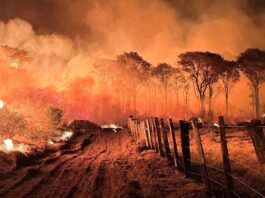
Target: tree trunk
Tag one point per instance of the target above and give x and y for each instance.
(166, 102)
(202, 107)
(210, 103)
(226, 106)
(210, 108)
(177, 101)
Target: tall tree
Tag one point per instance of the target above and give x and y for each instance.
(229, 75)
(252, 63)
(164, 72)
(201, 66)
(178, 84)
(135, 69)
(186, 91)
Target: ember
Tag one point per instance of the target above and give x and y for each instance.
(2, 104)
(113, 127)
(66, 135)
(9, 144)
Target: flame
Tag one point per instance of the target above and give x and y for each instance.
(9, 144)
(50, 142)
(66, 135)
(216, 125)
(2, 104)
(112, 126)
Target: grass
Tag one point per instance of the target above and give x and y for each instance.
(244, 162)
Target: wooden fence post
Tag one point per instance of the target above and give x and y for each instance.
(159, 140)
(138, 130)
(130, 123)
(165, 139)
(226, 160)
(153, 126)
(204, 170)
(258, 139)
(133, 125)
(149, 133)
(145, 133)
(175, 148)
(185, 146)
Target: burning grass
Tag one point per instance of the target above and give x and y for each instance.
(19, 133)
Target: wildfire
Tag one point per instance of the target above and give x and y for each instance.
(9, 144)
(2, 104)
(50, 142)
(216, 125)
(112, 126)
(66, 135)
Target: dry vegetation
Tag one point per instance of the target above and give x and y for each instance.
(242, 155)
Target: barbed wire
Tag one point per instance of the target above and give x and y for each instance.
(246, 185)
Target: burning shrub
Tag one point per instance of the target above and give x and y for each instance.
(56, 115)
(11, 122)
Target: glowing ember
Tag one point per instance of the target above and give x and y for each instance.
(216, 125)
(2, 104)
(50, 142)
(9, 144)
(66, 135)
(15, 64)
(112, 126)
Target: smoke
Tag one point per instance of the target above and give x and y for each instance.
(65, 44)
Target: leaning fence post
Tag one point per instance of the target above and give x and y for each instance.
(134, 128)
(152, 122)
(165, 138)
(160, 149)
(201, 155)
(145, 131)
(130, 123)
(138, 130)
(175, 148)
(226, 160)
(258, 139)
(185, 146)
(149, 133)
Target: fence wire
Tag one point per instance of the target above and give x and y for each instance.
(221, 170)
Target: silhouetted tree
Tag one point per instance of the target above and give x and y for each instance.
(136, 67)
(202, 68)
(186, 92)
(178, 83)
(164, 72)
(252, 63)
(229, 75)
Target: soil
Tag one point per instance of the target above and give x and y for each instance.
(97, 165)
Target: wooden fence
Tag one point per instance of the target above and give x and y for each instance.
(153, 133)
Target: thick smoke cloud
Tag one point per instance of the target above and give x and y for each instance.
(66, 37)
(158, 29)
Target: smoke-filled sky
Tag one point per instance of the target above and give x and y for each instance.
(158, 29)
(66, 37)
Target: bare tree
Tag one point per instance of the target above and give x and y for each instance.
(201, 66)
(136, 68)
(252, 63)
(229, 75)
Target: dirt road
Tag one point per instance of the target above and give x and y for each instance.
(99, 165)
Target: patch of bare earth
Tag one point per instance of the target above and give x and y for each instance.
(99, 165)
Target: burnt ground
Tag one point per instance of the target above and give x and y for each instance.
(99, 165)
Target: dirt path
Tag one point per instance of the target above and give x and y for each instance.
(99, 166)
